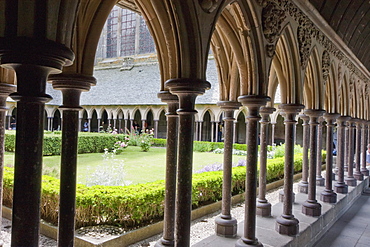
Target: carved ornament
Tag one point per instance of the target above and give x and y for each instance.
(272, 18)
(304, 40)
(209, 6)
(325, 65)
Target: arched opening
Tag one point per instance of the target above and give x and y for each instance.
(162, 125)
(94, 122)
(137, 122)
(240, 130)
(149, 121)
(206, 127)
(57, 123)
(104, 121)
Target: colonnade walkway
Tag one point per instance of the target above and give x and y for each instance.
(345, 223)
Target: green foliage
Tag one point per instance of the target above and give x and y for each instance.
(145, 141)
(159, 142)
(136, 205)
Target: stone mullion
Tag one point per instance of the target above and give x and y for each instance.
(340, 186)
(253, 103)
(311, 207)
(263, 206)
(364, 139)
(350, 179)
(303, 184)
(328, 195)
(226, 225)
(168, 238)
(286, 223)
(320, 181)
(187, 90)
(357, 173)
(212, 131)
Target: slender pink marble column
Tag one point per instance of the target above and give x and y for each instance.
(286, 223)
(365, 140)
(263, 206)
(186, 89)
(320, 181)
(340, 186)
(226, 225)
(328, 195)
(168, 238)
(303, 184)
(350, 179)
(253, 103)
(311, 207)
(357, 173)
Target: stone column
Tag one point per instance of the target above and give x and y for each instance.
(286, 223)
(5, 90)
(32, 68)
(212, 131)
(359, 148)
(340, 186)
(71, 86)
(200, 131)
(79, 124)
(273, 133)
(364, 139)
(253, 103)
(346, 147)
(328, 195)
(196, 134)
(350, 179)
(235, 132)
(320, 181)
(127, 126)
(143, 123)
(168, 238)
(311, 207)
(99, 124)
(187, 90)
(156, 128)
(226, 225)
(89, 121)
(303, 184)
(263, 206)
(217, 136)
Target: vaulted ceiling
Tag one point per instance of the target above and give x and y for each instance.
(350, 19)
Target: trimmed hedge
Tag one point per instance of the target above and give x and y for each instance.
(97, 142)
(132, 206)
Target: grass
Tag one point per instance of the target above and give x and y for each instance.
(138, 166)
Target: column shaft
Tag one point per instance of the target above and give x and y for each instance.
(303, 184)
(253, 103)
(168, 238)
(226, 225)
(340, 186)
(311, 207)
(320, 181)
(357, 174)
(350, 180)
(263, 206)
(328, 195)
(364, 148)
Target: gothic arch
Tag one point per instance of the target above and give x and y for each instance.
(313, 83)
(331, 100)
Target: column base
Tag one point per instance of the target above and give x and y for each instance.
(287, 225)
(320, 181)
(312, 208)
(303, 187)
(351, 181)
(341, 188)
(263, 208)
(163, 243)
(226, 227)
(358, 176)
(243, 242)
(365, 171)
(281, 196)
(328, 196)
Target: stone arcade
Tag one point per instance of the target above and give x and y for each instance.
(316, 51)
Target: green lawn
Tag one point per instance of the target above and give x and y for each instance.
(138, 167)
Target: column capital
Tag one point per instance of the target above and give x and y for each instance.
(253, 100)
(265, 113)
(291, 108)
(331, 116)
(341, 120)
(168, 97)
(187, 86)
(229, 105)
